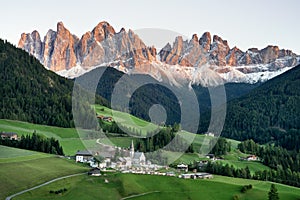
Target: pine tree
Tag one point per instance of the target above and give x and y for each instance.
(273, 194)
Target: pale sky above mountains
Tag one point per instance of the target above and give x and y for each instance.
(245, 24)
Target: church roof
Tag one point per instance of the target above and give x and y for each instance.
(137, 155)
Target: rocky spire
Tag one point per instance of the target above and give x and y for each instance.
(205, 41)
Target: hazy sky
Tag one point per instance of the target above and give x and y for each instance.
(255, 23)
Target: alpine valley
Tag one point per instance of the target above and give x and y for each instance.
(48, 152)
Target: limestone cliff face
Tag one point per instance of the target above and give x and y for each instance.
(62, 50)
(32, 43)
(217, 52)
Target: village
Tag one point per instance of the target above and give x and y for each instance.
(131, 161)
(135, 163)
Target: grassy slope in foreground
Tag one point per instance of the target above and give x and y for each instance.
(157, 187)
(22, 169)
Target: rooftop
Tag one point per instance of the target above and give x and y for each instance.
(84, 153)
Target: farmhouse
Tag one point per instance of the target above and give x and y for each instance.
(105, 118)
(94, 172)
(203, 175)
(10, 136)
(252, 158)
(84, 156)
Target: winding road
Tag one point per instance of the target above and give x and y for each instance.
(46, 183)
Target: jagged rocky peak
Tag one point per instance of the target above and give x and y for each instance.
(205, 41)
(164, 52)
(63, 54)
(62, 50)
(234, 56)
(32, 42)
(102, 31)
(195, 37)
(219, 50)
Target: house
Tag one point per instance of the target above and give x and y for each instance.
(210, 134)
(108, 119)
(9, 135)
(105, 118)
(252, 158)
(186, 176)
(170, 174)
(84, 156)
(182, 167)
(203, 175)
(211, 156)
(94, 172)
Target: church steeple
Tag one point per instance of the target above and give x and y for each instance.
(131, 149)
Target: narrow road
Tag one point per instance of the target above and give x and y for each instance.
(138, 195)
(46, 183)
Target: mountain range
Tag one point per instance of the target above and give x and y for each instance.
(208, 60)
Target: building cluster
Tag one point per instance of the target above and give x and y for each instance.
(134, 162)
(196, 176)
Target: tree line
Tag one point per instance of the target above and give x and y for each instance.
(154, 141)
(280, 176)
(273, 156)
(35, 142)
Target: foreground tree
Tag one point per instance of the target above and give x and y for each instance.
(273, 194)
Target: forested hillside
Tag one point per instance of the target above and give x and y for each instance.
(31, 93)
(270, 112)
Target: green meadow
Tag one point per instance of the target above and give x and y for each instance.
(68, 137)
(126, 119)
(149, 187)
(22, 169)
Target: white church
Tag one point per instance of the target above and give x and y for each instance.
(137, 158)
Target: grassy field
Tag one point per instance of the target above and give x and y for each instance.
(68, 137)
(126, 119)
(22, 169)
(8, 154)
(157, 187)
(253, 166)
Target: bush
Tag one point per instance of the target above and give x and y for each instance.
(246, 187)
(58, 191)
(235, 197)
